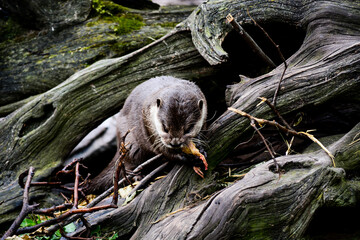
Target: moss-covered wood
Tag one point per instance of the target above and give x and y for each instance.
(44, 131)
(36, 61)
(263, 205)
(322, 76)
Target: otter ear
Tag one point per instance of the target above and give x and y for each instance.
(201, 104)
(158, 102)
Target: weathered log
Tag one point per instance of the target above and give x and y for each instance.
(322, 76)
(43, 132)
(322, 73)
(37, 62)
(54, 14)
(263, 205)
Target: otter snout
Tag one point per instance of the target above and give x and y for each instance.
(176, 143)
(170, 142)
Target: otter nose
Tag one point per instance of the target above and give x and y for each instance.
(175, 143)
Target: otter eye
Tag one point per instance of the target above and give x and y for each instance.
(188, 129)
(165, 128)
(158, 102)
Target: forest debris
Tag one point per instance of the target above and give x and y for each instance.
(283, 128)
(125, 191)
(273, 108)
(119, 165)
(321, 145)
(355, 139)
(289, 146)
(252, 123)
(279, 52)
(248, 39)
(26, 207)
(145, 180)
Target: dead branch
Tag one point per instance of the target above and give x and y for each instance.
(75, 213)
(76, 186)
(284, 129)
(62, 217)
(106, 193)
(120, 165)
(146, 163)
(87, 226)
(25, 174)
(26, 208)
(279, 52)
(248, 39)
(272, 106)
(14, 229)
(150, 176)
(69, 167)
(252, 123)
(50, 211)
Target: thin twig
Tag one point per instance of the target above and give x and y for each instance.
(25, 174)
(282, 128)
(252, 123)
(264, 121)
(76, 186)
(101, 196)
(87, 226)
(51, 210)
(26, 208)
(248, 39)
(279, 84)
(62, 217)
(276, 112)
(120, 165)
(69, 167)
(148, 177)
(279, 52)
(98, 199)
(268, 36)
(146, 163)
(31, 208)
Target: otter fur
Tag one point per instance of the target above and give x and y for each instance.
(164, 114)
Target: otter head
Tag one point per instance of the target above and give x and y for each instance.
(178, 117)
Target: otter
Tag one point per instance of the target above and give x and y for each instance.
(164, 114)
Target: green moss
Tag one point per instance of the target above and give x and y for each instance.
(123, 47)
(91, 24)
(127, 23)
(110, 12)
(107, 8)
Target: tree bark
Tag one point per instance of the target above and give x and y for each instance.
(263, 205)
(44, 131)
(31, 65)
(322, 75)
